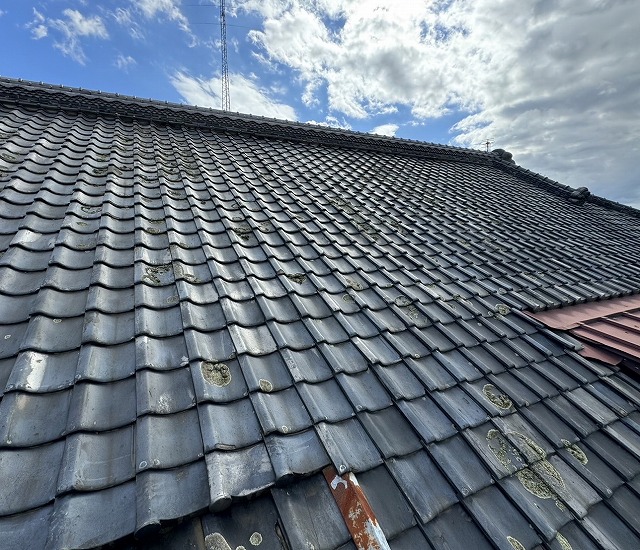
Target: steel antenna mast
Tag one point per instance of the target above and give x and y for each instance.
(226, 100)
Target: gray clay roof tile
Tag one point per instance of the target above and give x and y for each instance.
(281, 411)
(500, 520)
(100, 517)
(184, 484)
(32, 526)
(460, 464)
(200, 311)
(364, 390)
(325, 401)
(309, 512)
(608, 529)
(230, 478)
(386, 499)
(454, 528)
(116, 448)
(390, 431)
(415, 471)
(101, 407)
(32, 485)
(613, 455)
(43, 372)
(30, 419)
(348, 445)
(427, 419)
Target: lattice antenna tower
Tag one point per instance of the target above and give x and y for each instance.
(226, 100)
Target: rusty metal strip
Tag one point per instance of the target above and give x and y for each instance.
(600, 353)
(356, 511)
(569, 317)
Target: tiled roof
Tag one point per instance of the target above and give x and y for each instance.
(200, 312)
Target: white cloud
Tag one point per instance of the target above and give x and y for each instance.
(246, 95)
(124, 17)
(69, 31)
(79, 25)
(124, 62)
(38, 25)
(332, 122)
(169, 9)
(386, 129)
(543, 79)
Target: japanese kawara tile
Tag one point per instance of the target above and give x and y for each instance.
(204, 314)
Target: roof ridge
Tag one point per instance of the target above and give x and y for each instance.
(114, 104)
(159, 110)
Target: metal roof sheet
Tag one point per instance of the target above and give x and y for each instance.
(609, 330)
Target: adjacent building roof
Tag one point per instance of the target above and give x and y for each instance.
(210, 324)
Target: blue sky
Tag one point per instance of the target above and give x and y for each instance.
(555, 82)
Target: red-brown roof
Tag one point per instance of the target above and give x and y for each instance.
(609, 330)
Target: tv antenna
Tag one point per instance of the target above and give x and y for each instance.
(487, 144)
(226, 101)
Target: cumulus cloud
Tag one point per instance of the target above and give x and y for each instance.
(385, 130)
(246, 94)
(542, 79)
(69, 31)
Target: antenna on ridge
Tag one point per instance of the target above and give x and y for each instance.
(226, 100)
(487, 143)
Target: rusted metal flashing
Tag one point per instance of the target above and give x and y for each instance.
(356, 511)
(566, 318)
(609, 330)
(600, 354)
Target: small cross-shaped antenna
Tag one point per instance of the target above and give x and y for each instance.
(487, 144)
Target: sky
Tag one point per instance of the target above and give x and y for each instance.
(554, 82)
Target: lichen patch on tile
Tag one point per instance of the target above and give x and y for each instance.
(243, 231)
(151, 273)
(355, 285)
(500, 400)
(217, 374)
(576, 452)
(403, 301)
(215, 541)
(296, 277)
(540, 477)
